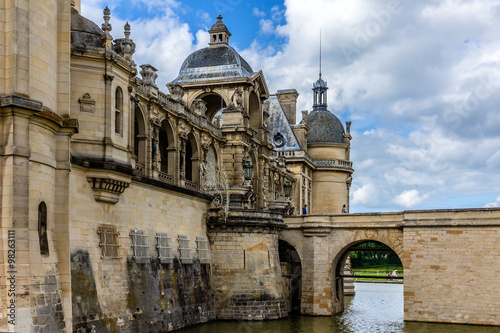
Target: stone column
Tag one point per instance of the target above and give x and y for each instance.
(108, 111)
(155, 129)
(182, 158)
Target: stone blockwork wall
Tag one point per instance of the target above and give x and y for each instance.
(452, 270)
(159, 297)
(246, 274)
(128, 294)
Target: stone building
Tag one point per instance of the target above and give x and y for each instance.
(115, 190)
(125, 208)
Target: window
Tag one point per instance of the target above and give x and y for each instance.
(118, 110)
(203, 249)
(109, 242)
(185, 250)
(164, 247)
(139, 244)
(42, 229)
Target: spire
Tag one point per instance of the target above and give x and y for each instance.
(320, 88)
(219, 35)
(320, 53)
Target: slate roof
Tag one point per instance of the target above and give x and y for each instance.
(325, 127)
(212, 63)
(281, 135)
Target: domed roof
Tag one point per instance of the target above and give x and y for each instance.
(84, 32)
(212, 63)
(324, 127)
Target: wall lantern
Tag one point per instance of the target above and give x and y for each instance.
(248, 168)
(287, 186)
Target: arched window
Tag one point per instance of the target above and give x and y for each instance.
(118, 110)
(42, 229)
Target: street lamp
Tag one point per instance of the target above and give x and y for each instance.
(287, 186)
(248, 169)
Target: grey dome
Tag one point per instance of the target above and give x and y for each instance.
(325, 127)
(84, 32)
(212, 63)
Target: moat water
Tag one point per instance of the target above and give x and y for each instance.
(376, 308)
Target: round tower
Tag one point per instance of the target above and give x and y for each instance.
(329, 145)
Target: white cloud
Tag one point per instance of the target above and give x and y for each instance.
(409, 199)
(366, 195)
(493, 204)
(369, 132)
(266, 26)
(258, 13)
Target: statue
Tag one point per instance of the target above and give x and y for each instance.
(237, 98)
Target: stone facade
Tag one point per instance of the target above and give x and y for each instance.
(124, 208)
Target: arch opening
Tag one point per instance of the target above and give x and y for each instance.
(255, 111)
(167, 148)
(215, 103)
(140, 137)
(363, 259)
(291, 273)
(192, 166)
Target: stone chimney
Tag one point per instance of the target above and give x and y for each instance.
(288, 101)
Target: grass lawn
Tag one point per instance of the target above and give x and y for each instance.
(382, 270)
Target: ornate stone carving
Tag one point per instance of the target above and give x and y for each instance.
(149, 75)
(304, 117)
(107, 186)
(183, 129)
(125, 46)
(206, 140)
(86, 103)
(237, 98)
(176, 91)
(200, 107)
(106, 28)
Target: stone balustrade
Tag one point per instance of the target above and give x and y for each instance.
(165, 178)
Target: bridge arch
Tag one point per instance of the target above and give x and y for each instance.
(291, 273)
(340, 261)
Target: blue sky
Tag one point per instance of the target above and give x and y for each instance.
(418, 79)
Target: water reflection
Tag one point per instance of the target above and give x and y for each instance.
(376, 308)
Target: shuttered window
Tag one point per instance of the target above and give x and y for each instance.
(185, 250)
(203, 248)
(163, 244)
(139, 244)
(109, 242)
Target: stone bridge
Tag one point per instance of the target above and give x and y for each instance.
(450, 259)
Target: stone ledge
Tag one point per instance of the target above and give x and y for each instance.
(93, 163)
(22, 102)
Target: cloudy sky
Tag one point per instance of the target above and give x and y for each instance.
(420, 81)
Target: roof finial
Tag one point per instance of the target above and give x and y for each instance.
(219, 18)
